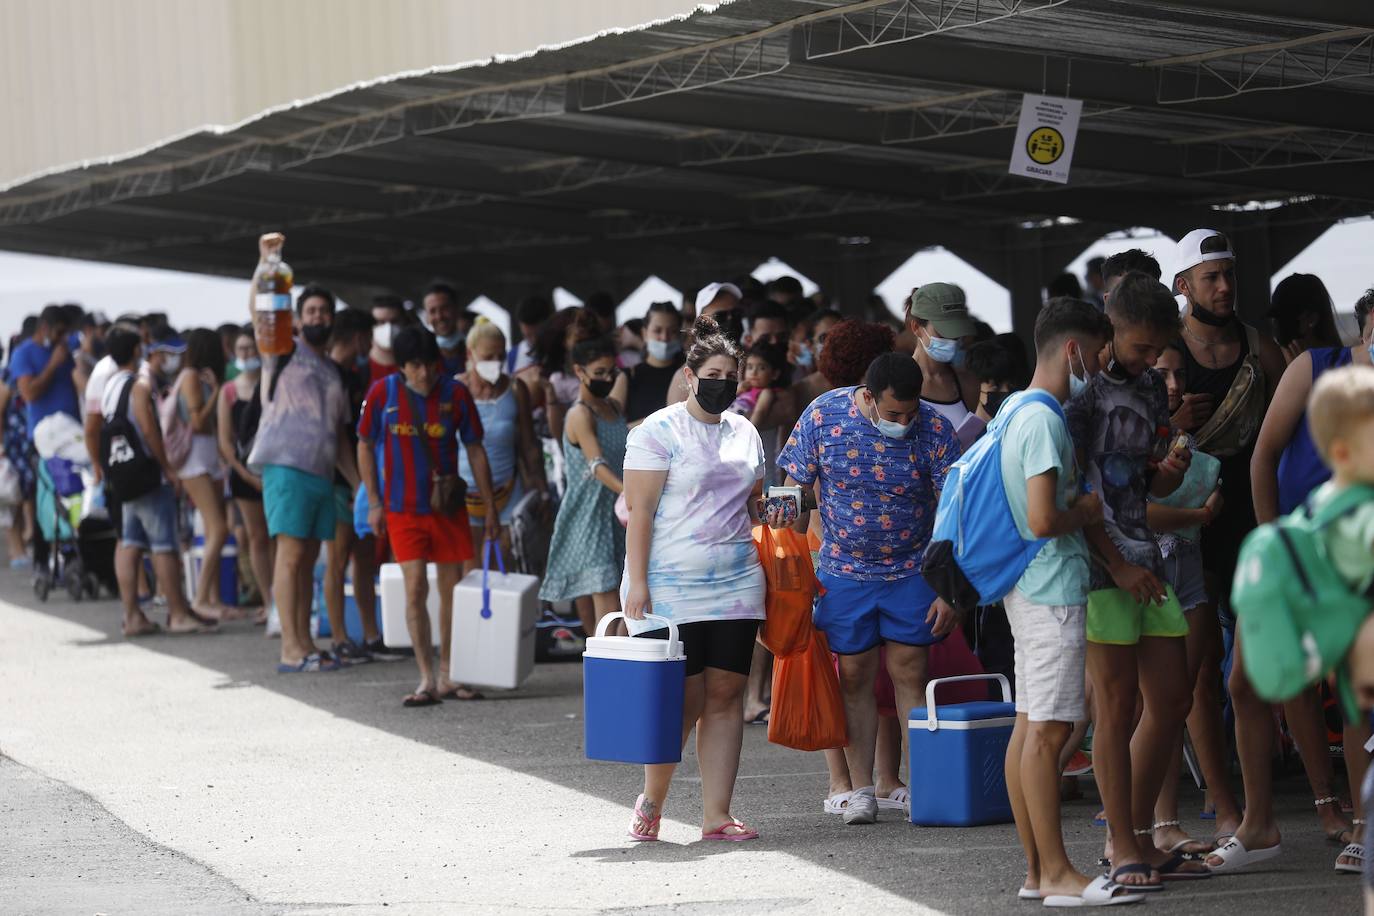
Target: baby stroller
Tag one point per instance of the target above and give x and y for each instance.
(77, 552)
(558, 633)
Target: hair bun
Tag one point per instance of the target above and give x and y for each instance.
(705, 326)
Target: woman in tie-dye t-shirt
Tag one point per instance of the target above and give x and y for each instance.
(692, 471)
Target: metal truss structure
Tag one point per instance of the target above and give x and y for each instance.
(757, 55)
(1317, 59)
(891, 21)
(714, 147)
(964, 114)
(1286, 148)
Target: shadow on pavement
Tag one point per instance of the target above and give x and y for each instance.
(538, 731)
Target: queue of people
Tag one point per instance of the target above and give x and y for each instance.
(1140, 442)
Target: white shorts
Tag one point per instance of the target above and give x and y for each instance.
(1051, 646)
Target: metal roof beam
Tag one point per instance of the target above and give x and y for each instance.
(1105, 82)
(1330, 13)
(1096, 150)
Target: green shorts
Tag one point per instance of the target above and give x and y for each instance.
(343, 505)
(297, 504)
(1117, 619)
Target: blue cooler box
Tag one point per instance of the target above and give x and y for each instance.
(958, 759)
(353, 618)
(632, 696)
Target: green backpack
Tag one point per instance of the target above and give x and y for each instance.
(1297, 616)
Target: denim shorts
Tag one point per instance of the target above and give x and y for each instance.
(1183, 570)
(150, 522)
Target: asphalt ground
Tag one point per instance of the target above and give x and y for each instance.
(183, 775)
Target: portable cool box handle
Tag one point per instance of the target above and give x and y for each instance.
(932, 723)
(487, 548)
(674, 648)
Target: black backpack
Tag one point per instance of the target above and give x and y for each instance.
(246, 430)
(130, 471)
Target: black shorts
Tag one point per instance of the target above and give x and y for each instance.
(242, 489)
(724, 644)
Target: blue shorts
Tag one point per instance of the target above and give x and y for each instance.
(297, 504)
(150, 522)
(856, 615)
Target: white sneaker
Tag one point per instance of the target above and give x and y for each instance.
(273, 629)
(862, 807)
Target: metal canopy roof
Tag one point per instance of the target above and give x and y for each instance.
(841, 136)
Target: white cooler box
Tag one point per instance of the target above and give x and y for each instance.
(495, 650)
(391, 594)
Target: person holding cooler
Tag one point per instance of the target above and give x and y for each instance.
(419, 417)
(692, 472)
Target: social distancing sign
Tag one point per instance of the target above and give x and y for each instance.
(1044, 137)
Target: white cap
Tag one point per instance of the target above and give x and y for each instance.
(710, 291)
(1195, 248)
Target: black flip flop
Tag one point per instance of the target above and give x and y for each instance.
(423, 698)
(1136, 868)
(1170, 870)
(760, 719)
(453, 695)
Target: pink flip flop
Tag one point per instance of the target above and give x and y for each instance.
(745, 832)
(650, 823)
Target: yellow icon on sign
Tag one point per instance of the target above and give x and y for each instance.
(1045, 145)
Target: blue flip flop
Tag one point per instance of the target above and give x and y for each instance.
(313, 663)
(1136, 868)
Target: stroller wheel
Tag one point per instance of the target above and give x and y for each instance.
(41, 586)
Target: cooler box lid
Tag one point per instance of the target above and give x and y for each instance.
(630, 648)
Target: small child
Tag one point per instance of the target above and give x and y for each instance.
(1340, 414)
(766, 376)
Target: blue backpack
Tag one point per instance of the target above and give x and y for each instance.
(976, 554)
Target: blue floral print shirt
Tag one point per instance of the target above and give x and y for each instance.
(877, 494)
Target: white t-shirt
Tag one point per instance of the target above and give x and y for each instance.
(101, 373)
(703, 564)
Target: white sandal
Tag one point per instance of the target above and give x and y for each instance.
(835, 804)
(1234, 856)
(1101, 892)
(894, 802)
(1353, 850)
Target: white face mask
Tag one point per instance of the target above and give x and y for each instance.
(663, 349)
(382, 334)
(172, 363)
(488, 370)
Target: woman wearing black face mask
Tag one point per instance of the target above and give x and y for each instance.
(692, 471)
(587, 552)
(1001, 367)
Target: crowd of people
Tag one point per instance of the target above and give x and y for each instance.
(1143, 436)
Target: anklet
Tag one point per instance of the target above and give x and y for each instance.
(1162, 824)
(1145, 832)
(1329, 800)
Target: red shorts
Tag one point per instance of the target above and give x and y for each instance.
(433, 538)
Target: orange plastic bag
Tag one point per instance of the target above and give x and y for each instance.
(808, 711)
(792, 586)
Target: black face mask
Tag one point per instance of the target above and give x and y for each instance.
(316, 334)
(600, 387)
(1116, 370)
(992, 401)
(715, 395)
(1210, 318)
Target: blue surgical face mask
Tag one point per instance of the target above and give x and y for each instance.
(1077, 383)
(252, 364)
(448, 341)
(804, 357)
(890, 428)
(943, 350)
(663, 349)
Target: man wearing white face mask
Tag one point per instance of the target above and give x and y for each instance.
(441, 314)
(878, 457)
(165, 353)
(938, 316)
(389, 316)
(513, 450)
